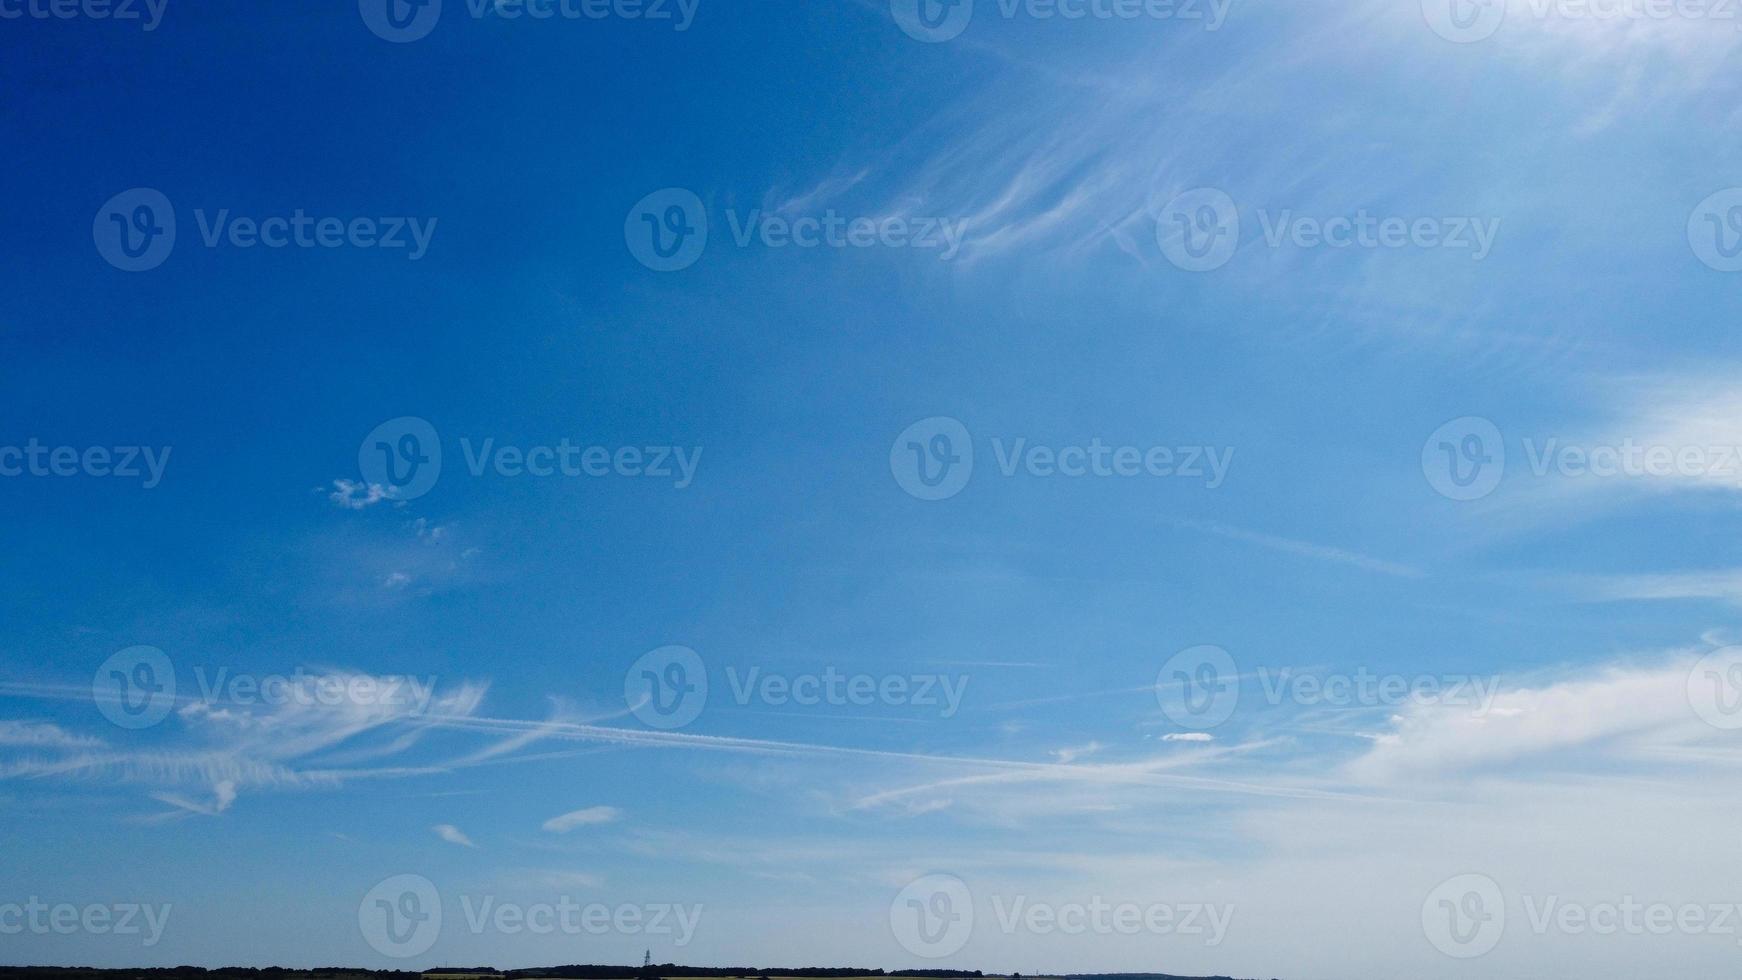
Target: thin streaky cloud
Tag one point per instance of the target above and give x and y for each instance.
(1305, 549)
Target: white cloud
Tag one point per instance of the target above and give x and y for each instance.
(1721, 584)
(353, 495)
(223, 794)
(591, 816)
(306, 730)
(1620, 710)
(1305, 549)
(1073, 753)
(452, 834)
(43, 735)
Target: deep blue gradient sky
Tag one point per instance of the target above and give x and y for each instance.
(1060, 147)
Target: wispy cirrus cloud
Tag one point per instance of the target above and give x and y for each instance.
(301, 738)
(588, 817)
(33, 734)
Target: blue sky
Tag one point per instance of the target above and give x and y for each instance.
(1272, 481)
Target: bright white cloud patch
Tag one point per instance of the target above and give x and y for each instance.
(1616, 711)
(588, 817)
(452, 834)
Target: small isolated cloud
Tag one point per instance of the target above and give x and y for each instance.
(582, 818)
(352, 495)
(1073, 753)
(1188, 737)
(452, 834)
(397, 580)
